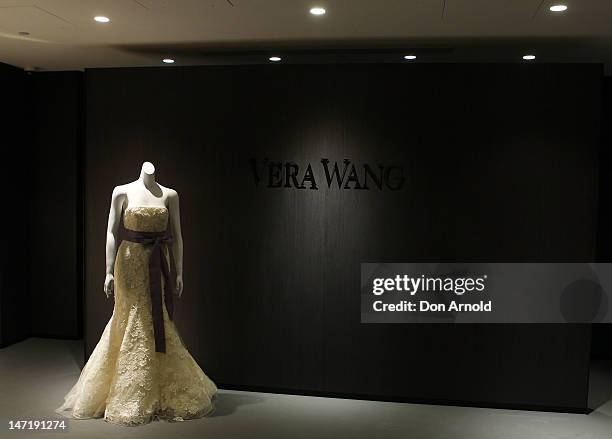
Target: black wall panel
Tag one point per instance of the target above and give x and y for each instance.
(56, 204)
(602, 332)
(15, 143)
(500, 164)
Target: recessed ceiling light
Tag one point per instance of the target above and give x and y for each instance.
(101, 19)
(317, 11)
(529, 57)
(558, 8)
(168, 60)
(275, 58)
(410, 57)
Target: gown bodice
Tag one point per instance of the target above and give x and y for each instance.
(146, 218)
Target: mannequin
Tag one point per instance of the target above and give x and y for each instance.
(141, 369)
(143, 192)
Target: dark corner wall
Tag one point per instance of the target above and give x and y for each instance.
(602, 333)
(41, 270)
(15, 141)
(56, 203)
(500, 164)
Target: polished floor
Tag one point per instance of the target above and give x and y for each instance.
(36, 373)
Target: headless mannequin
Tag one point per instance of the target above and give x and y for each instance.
(143, 192)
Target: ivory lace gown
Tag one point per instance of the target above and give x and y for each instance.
(125, 380)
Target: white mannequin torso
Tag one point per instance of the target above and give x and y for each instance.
(144, 192)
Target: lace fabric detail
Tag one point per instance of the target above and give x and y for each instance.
(125, 381)
(146, 218)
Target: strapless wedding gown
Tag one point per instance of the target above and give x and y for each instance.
(125, 380)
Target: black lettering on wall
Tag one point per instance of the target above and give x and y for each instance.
(377, 178)
(335, 174)
(352, 178)
(275, 178)
(347, 175)
(398, 179)
(309, 176)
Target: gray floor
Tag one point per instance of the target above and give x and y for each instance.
(36, 373)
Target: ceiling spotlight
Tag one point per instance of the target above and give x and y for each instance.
(101, 19)
(317, 11)
(558, 8)
(275, 58)
(410, 57)
(168, 60)
(529, 57)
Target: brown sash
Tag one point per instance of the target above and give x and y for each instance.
(157, 266)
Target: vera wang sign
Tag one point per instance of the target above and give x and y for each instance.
(326, 173)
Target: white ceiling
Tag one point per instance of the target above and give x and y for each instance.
(63, 35)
